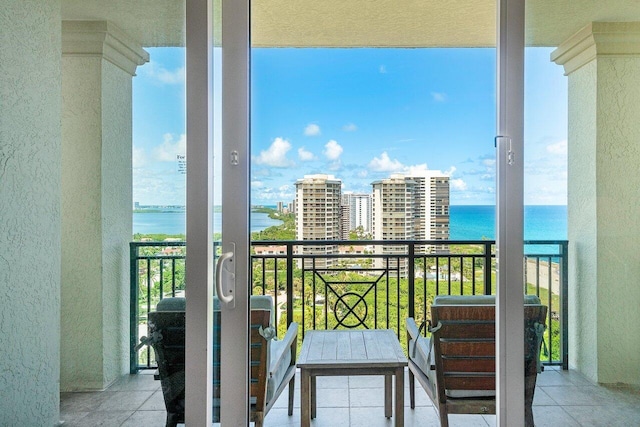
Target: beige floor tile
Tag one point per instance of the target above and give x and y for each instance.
(154, 403)
(124, 400)
(146, 419)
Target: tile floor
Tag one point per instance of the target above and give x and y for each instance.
(562, 398)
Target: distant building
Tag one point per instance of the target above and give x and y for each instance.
(394, 206)
(279, 206)
(432, 208)
(345, 225)
(360, 212)
(271, 250)
(411, 207)
(317, 208)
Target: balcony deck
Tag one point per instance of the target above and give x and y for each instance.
(562, 398)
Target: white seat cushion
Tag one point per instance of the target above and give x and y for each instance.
(276, 376)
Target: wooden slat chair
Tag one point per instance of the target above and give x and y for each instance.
(456, 366)
(272, 365)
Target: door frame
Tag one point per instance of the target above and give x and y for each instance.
(199, 264)
(235, 202)
(510, 212)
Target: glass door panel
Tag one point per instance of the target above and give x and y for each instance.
(217, 149)
(231, 176)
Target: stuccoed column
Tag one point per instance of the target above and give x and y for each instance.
(29, 212)
(98, 62)
(602, 62)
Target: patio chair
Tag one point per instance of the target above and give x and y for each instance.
(456, 366)
(273, 362)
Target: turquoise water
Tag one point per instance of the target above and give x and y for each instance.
(540, 223)
(477, 222)
(467, 223)
(175, 222)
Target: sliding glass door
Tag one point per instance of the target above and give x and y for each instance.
(218, 153)
(217, 375)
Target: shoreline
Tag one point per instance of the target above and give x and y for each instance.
(540, 270)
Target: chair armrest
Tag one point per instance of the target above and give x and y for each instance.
(288, 342)
(412, 328)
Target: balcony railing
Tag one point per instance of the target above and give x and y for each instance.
(359, 284)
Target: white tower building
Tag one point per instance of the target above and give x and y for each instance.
(318, 214)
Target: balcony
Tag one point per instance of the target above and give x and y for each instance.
(326, 285)
(562, 398)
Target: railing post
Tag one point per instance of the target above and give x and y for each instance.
(487, 268)
(412, 281)
(564, 298)
(290, 284)
(133, 307)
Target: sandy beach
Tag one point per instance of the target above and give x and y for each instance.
(539, 274)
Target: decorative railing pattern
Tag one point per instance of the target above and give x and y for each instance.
(355, 285)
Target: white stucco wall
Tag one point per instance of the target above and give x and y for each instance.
(604, 201)
(97, 223)
(81, 323)
(29, 212)
(582, 232)
(117, 222)
(618, 198)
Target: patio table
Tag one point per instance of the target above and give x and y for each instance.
(351, 352)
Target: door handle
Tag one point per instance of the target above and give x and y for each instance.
(225, 274)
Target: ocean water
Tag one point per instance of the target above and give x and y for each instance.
(466, 223)
(176, 223)
(540, 223)
(477, 222)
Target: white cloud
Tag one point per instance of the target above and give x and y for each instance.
(139, 158)
(363, 173)
(160, 74)
(257, 184)
(385, 164)
(276, 154)
(305, 155)
(382, 69)
(312, 129)
(333, 150)
(439, 96)
(158, 186)
(416, 169)
(490, 163)
(335, 165)
(559, 148)
(451, 171)
(458, 184)
(269, 194)
(170, 148)
(350, 127)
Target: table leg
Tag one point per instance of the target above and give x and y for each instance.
(387, 395)
(305, 399)
(400, 397)
(313, 397)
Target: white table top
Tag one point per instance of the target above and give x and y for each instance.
(351, 349)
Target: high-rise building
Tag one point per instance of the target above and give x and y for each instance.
(432, 208)
(358, 208)
(317, 208)
(345, 226)
(394, 205)
(411, 207)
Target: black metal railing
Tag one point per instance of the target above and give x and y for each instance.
(359, 284)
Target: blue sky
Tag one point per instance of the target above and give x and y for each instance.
(360, 115)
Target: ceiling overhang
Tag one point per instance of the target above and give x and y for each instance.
(358, 23)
